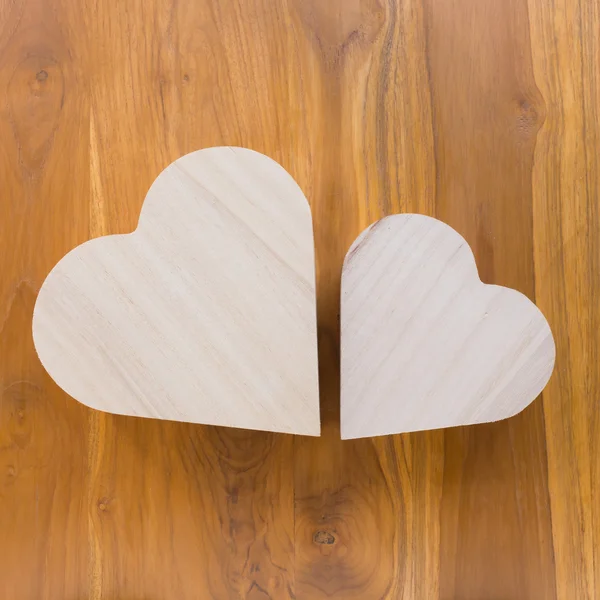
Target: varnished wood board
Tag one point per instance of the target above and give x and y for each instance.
(425, 344)
(205, 313)
(483, 114)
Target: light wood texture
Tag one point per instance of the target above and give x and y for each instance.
(424, 343)
(481, 113)
(206, 313)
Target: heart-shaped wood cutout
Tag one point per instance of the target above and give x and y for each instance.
(425, 344)
(206, 313)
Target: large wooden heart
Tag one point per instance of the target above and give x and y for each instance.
(205, 313)
(424, 343)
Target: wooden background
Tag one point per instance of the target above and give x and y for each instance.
(483, 113)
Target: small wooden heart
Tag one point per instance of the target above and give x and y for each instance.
(205, 313)
(424, 343)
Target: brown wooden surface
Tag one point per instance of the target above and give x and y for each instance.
(484, 113)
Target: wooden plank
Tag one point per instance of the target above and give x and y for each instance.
(205, 313)
(426, 345)
(367, 510)
(496, 530)
(43, 119)
(566, 221)
(226, 529)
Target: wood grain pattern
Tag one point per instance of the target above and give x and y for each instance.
(205, 313)
(426, 345)
(566, 209)
(481, 113)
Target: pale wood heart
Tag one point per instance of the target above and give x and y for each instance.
(424, 343)
(205, 313)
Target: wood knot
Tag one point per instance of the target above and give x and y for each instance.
(35, 94)
(528, 111)
(324, 537)
(530, 116)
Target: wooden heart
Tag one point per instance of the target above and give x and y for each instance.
(205, 313)
(424, 343)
